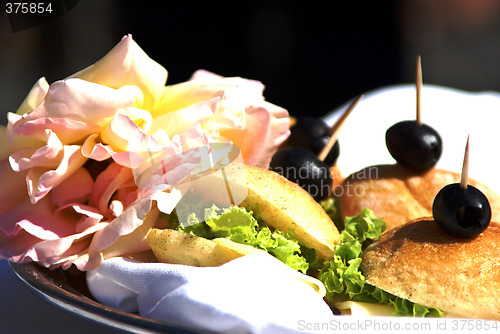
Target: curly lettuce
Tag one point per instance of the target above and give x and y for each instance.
(330, 205)
(343, 278)
(239, 225)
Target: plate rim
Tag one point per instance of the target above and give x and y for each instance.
(51, 286)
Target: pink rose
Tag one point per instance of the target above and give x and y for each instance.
(89, 162)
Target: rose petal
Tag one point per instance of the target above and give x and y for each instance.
(19, 141)
(122, 134)
(128, 64)
(46, 156)
(92, 149)
(68, 130)
(205, 75)
(13, 187)
(175, 122)
(237, 87)
(194, 137)
(72, 109)
(267, 127)
(135, 241)
(134, 92)
(126, 223)
(37, 233)
(40, 180)
(232, 95)
(75, 188)
(107, 183)
(81, 100)
(127, 233)
(40, 214)
(77, 250)
(90, 216)
(174, 163)
(141, 117)
(48, 252)
(204, 86)
(37, 230)
(166, 201)
(185, 94)
(34, 97)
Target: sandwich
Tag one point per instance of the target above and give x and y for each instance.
(270, 219)
(421, 263)
(398, 194)
(446, 264)
(414, 270)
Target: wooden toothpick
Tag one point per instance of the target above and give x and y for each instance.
(465, 167)
(418, 86)
(335, 129)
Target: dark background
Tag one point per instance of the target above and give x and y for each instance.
(311, 57)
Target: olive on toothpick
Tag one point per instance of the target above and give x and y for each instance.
(313, 133)
(413, 143)
(302, 166)
(460, 209)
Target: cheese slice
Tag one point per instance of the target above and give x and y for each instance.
(362, 309)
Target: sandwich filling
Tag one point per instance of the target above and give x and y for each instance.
(239, 224)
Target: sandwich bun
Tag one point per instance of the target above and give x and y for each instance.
(285, 206)
(280, 203)
(178, 247)
(398, 194)
(420, 262)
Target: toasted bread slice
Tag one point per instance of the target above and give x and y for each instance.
(287, 207)
(398, 195)
(419, 262)
(178, 247)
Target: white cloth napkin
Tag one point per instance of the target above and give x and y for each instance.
(251, 294)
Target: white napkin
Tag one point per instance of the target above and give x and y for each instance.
(251, 294)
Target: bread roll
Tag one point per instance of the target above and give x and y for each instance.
(419, 262)
(397, 194)
(285, 206)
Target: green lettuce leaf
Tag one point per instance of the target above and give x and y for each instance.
(331, 209)
(239, 225)
(343, 279)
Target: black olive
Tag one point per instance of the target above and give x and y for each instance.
(313, 133)
(414, 145)
(301, 166)
(461, 212)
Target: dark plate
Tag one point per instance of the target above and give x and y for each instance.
(68, 291)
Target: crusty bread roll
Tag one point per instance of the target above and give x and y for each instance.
(397, 194)
(282, 204)
(419, 262)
